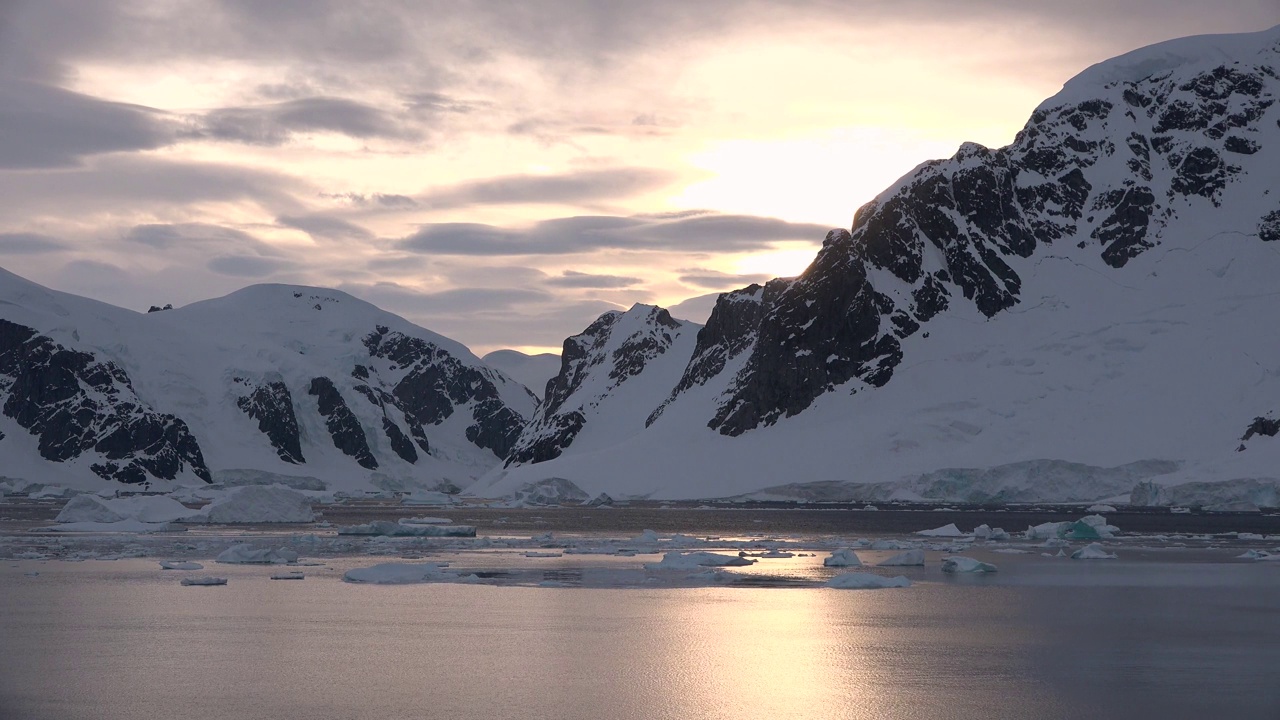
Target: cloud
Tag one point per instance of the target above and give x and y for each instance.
(246, 266)
(574, 279)
(697, 233)
(274, 124)
(714, 279)
(184, 235)
(696, 309)
(325, 227)
(569, 188)
(29, 244)
(445, 302)
(47, 127)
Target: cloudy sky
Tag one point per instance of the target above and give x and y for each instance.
(502, 172)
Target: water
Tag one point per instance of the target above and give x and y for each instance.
(1157, 634)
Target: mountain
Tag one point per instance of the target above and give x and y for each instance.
(532, 371)
(1094, 299)
(278, 380)
(608, 376)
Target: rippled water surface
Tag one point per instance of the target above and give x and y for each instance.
(1171, 636)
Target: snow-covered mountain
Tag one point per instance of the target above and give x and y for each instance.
(608, 376)
(1096, 298)
(295, 381)
(532, 371)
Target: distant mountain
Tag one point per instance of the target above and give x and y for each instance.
(532, 371)
(1094, 299)
(272, 379)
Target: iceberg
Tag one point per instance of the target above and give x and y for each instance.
(908, 558)
(945, 531)
(962, 564)
(386, 528)
(696, 561)
(866, 581)
(143, 508)
(1092, 551)
(258, 504)
(204, 581)
(244, 554)
(398, 574)
(843, 558)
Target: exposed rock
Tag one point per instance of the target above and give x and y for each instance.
(272, 406)
(343, 426)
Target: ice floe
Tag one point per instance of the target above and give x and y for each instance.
(180, 565)
(386, 528)
(204, 581)
(904, 559)
(866, 581)
(949, 530)
(399, 574)
(843, 558)
(258, 504)
(695, 560)
(245, 554)
(962, 564)
(289, 575)
(1100, 508)
(1092, 551)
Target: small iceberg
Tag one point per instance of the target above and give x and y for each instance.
(180, 565)
(696, 561)
(1100, 508)
(905, 559)
(289, 575)
(244, 554)
(843, 558)
(1092, 551)
(204, 581)
(962, 564)
(398, 574)
(866, 581)
(257, 504)
(945, 531)
(386, 528)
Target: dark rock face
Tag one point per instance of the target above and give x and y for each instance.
(1262, 426)
(343, 426)
(436, 383)
(614, 348)
(1116, 170)
(272, 406)
(75, 403)
(400, 443)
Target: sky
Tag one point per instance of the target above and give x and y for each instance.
(503, 172)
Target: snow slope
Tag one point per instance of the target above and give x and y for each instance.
(294, 381)
(1081, 311)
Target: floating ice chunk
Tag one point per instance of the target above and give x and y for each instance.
(843, 558)
(695, 560)
(1180, 511)
(1253, 555)
(648, 536)
(88, 508)
(1100, 508)
(386, 528)
(398, 574)
(866, 581)
(1044, 531)
(180, 565)
(425, 521)
(1011, 551)
(1090, 527)
(776, 555)
(535, 554)
(982, 531)
(962, 564)
(1092, 551)
(910, 558)
(258, 504)
(244, 554)
(945, 531)
(889, 545)
(1249, 536)
(289, 575)
(998, 535)
(427, 497)
(204, 581)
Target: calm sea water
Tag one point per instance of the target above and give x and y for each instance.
(1156, 638)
